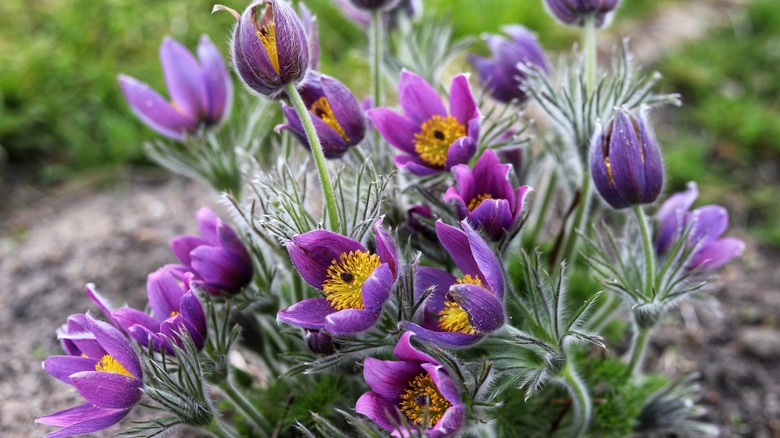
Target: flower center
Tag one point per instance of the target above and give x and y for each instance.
(422, 400)
(174, 313)
(477, 201)
(436, 137)
(343, 285)
(110, 365)
(321, 108)
(453, 317)
(267, 35)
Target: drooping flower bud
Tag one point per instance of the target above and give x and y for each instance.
(625, 162)
(269, 47)
(573, 12)
(336, 113)
(319, 342)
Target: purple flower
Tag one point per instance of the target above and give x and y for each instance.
(375, 4)
(103, 367)
(200, 89)
(625, 162)
(485, 196)
(501, 74)
(706, 224)
(270, 48)
(574, 11)
(460, 311)
(416, 223)
(432, 139)
(409, 8)
(336, 113)
(219, 261)
(417, 386)
(355, 282)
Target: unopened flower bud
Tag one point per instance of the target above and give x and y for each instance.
(319, 342)
(574, 12)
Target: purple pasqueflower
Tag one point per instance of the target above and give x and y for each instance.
(433, 139)
(574, 12)
(355, 282)
(175, 308)
(270, 48)
(417, 387)
(103, 367)
(485, 196)
(408, 8)
(501, 74)
(625, 162)
(217, 258)
(458, 312)
(706, 224)
(336, 113)
(200, 89)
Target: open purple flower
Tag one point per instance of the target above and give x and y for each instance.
(415, 386)
(103, 367)
(270, 47)
(355, 282)
(200, 89)
(433, 139)
(706, 224)
(574, 12)
(501, 74)
(625, 162)
(336, 113)
(485, 196)
(460, 311)
(219, 261)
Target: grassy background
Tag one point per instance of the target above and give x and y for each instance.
(62, 113)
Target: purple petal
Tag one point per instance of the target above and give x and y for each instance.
(312, 253)
(107, 389)
(485, 311)
(192, 311)
(492, 177)
(156, 112)
(418, 98)
(389, 378)
(486, 260)
(291, 43)
(457, 201)
(415, 166)
(398, 130)
(405, 351)
(671, 215)
(171, 329)
(520, 199)
(116, 345)
(346, 108)
(494, 216)
(626, 160)
(377, 287)
(456, 242)
(182, 246)
(143, 336)
(443, 382)
(373, 406)
(426, 277)
(219, 87)
(462, 104)
(102, 303)
(82, 419)
(128, 317)
(385, 247)
(221, 268)
(461, 151)
(652, 163)
(709, 222)
(207, 224)
(717, 254)
(444, 339)
(164, 293)
(350, 321)
(450, 423)
(183, 78)
(62, 367)
(309, 314)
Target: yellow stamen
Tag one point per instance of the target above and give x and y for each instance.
(110, 365)
(321, 108)
(343, 286)
(434, 140)
(174, 313)
(453, 318)
(476, 202)
(267, 35)
(468, 279)
(421, 400)
(609, 171)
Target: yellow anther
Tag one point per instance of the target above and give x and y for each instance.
(321, 108)
(421, 400)
(267, 35)
(434, 140)
(110, 365)
(343, 286)
(477, 201)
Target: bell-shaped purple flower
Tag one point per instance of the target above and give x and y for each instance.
(336, 113)
(574, 12)
(355, 282)
(458, 312)
(415, 386)
(706, 225)
(269, 47)
(201, 92)
(217, 258)
(432, 139)
(501, 74)
(485, 196)
(625, 162)
(103, 367)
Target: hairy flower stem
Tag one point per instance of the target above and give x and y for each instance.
(580, 401)
(647, 241)
(220, 429)
(237, 399)
(319, 157)
(589, 52)
(638, 347)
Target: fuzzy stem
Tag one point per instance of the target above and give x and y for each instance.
(647, 241)
(220, 429)
(638, 347)
(589, 52)
(580, 401)
(569, 251)
(242, 404)
(549, 191)
(316, 151)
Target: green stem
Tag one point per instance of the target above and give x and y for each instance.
(548, 195)
(220, 429)
(649, 285)
(319, 157)
(242, 404)
(589, 52)
(569, 250)
(638, 347)
(580, 401)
